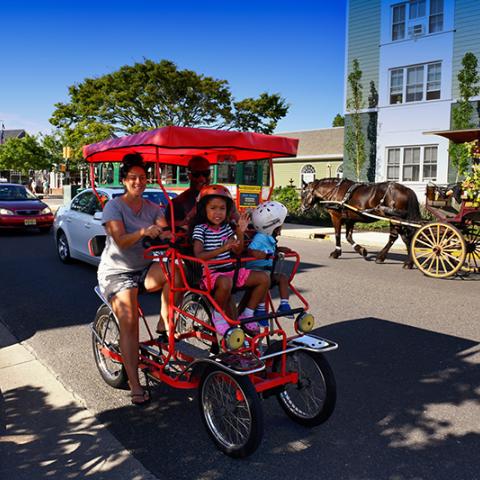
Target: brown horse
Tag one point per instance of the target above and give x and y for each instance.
(386, 199)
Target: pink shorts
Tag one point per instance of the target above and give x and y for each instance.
(243, 274)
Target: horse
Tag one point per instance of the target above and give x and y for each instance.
(386, 199)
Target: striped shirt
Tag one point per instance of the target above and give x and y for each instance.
(212, 239)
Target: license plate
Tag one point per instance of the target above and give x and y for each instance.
(30, 221)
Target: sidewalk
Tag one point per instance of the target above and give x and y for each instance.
(46, 432)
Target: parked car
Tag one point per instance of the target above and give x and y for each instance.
(81, 219)
(20, 208)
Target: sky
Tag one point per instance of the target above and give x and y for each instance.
(295, 48)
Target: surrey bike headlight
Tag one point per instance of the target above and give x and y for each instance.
(234, 338)
(305, 322)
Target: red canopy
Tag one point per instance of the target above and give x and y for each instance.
(176, 145)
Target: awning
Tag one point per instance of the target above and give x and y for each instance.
(176, 145)
(458, 136)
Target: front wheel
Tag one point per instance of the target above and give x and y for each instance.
(106, 334)
(63, 249)
(312, 400)
(231, 411)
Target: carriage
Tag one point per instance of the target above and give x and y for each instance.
(232, 373)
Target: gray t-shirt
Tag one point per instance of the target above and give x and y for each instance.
(115, 260)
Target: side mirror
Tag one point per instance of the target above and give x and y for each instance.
(98, 216)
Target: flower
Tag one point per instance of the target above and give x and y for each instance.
(473, 148)
(471, 184)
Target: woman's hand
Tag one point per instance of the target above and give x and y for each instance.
(153, 231)
(243, 221)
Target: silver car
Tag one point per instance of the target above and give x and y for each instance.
(81, 219)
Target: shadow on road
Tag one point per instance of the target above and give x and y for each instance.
(401, 393)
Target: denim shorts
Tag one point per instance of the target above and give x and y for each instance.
(110, 285)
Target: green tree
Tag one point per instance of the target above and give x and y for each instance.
(24, 154)
(150, 95)
(355, 139)
(338, 121)
(462, 111)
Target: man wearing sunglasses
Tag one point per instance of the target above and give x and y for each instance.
(184, 205)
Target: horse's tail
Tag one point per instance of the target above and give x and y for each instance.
(413, 207)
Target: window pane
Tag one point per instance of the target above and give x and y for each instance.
(250, 173)
(434, 81)
(226, 172)
(183, 175)
(430, 163)
(436, 16)
(411, 164)
(417, 9)
(414, 84)
(393, 163)
(396, 86)
(169, 174)
(398, 22)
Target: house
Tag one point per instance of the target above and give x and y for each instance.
(6, 134)
(320, 155)
(411, 52)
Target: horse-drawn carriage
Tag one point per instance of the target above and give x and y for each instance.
(439, 249)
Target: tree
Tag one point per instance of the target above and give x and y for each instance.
(24, 154)
(372, 132)
(355, 139)
(150, 95)
(338, 121)
(462, 112)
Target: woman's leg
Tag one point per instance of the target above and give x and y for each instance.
(125, 306)
(154, 281)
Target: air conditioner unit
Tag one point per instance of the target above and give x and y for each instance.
(416, 30)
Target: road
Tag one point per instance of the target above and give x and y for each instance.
(408, 371)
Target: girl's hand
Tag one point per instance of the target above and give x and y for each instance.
(232, 242)
(243, 221)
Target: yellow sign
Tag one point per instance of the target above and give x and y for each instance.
(249, 196)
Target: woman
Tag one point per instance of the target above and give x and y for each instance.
(123, 272)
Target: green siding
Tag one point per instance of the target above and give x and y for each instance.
(363, 41)
(466, 37)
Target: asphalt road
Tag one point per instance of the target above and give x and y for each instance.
(408, 371)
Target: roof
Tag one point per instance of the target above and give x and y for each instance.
(458, 136)
(325, 141)
(6, 134)
(176, 145)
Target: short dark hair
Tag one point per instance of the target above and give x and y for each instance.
(129, 161)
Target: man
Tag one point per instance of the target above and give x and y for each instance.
(184, 205)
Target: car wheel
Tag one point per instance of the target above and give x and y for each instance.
(63, 249)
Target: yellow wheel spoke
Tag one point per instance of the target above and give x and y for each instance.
(429, 245)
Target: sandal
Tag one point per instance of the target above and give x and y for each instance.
(140, 398)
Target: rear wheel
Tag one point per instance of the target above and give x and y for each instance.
(106, 334)
(438, 250)
(63, 249)
(471, 234)
(231, 411)
(312, 400)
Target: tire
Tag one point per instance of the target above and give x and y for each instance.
(231, 412)
(471, 235)
(105, 326)
(63, 249)
(312, 400)
(197, 306)
(438, 250)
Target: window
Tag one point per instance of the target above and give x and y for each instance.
(307, 174)
(393, 164)
(412, 164)
(396, 86)
(398, 22)
(416, 13)
(250, 173)
(226, 172)
(183, 175)
(435, 23)
(416, 83)
(168, 174)
(84, 203)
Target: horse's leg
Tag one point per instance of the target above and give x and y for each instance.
(407, 235)
(391, 240)
(349, 231)
(337, 224)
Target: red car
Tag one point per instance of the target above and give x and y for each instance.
(19, 208)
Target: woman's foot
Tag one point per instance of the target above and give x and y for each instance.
(140, 398)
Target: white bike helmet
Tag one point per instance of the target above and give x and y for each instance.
(268, 216)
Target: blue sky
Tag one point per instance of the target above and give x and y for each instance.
(295, 48)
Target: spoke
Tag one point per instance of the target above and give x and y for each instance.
(451, 256)
(422, 253)
(427, 259)
(432, 236)
(429, 245)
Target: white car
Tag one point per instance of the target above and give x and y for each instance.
(81, 219)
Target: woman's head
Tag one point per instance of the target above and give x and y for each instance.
(133, 174)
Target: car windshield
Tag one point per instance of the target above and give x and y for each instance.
(14, 193)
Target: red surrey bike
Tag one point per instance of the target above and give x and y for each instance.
(232, 373)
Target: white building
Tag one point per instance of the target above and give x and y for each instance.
(412, 51)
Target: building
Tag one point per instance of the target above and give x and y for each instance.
(320, 155)
(412, 52)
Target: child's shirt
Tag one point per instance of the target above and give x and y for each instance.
(213, 238)
(264, 243)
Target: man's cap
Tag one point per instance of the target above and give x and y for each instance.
(198, 163)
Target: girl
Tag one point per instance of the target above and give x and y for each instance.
(214, 239)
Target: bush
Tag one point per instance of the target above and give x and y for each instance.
(289, 197)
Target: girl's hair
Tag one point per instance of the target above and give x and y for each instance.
(129, 161)
(201, 213)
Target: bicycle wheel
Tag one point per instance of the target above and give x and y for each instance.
(312, 400)
(231, 411)
(106, 332)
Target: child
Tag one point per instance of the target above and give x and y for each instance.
(214, 239)
(267, 220)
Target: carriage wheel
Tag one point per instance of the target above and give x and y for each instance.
(471, 234)
(231, 411)
(438, 250)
